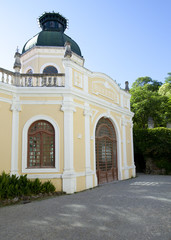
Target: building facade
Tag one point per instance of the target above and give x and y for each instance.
(61, 121)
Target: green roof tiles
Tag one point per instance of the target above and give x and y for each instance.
(51, 38)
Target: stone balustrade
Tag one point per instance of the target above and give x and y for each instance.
(32, 80)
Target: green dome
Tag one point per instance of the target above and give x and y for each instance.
(51, 38)
(53, 26)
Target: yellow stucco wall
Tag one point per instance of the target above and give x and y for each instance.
(81, 185)
(38, 58)
(79, 140)
(5, 136)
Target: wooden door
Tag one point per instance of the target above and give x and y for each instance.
(106, 151)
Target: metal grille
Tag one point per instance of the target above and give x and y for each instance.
(41, 145)
(106, 151)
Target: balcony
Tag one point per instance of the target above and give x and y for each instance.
(32, 80)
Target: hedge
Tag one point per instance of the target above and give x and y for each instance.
(13, 186)
(155, 144)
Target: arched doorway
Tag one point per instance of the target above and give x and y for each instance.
(106, 151)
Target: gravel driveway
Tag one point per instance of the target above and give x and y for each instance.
(138, 209)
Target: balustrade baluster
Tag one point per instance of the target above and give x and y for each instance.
(2, 77)
(7, 79)
(63, 81)
(46, 81)
(12, 79)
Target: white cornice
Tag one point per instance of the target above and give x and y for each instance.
(49, 92)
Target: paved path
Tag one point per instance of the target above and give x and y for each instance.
(135, 209)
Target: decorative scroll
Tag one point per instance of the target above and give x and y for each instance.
(105, 90)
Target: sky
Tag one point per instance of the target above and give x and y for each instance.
(125, 39)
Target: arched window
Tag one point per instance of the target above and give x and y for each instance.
(50, 69)
(41, 145)
(30, 71)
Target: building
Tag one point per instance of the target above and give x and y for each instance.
(59, 120)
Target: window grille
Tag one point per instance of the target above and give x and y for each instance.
(41, 145)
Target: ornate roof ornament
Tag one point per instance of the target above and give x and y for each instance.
(68, 52)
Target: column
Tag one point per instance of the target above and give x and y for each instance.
(132, 150)
(89, 172)
(69, 178)
(126, 171)
(15, 108)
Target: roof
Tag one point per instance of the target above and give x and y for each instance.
(51, 38)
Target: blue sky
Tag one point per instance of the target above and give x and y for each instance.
(124, 39)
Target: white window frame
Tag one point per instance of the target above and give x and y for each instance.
(25, 146)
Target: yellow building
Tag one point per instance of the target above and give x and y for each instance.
(61, 121)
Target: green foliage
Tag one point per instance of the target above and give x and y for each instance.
(165, 90)
(152, 85)
(147, 102)
(156, 144)
(47, 187)
(35, 186)
(168, 79)
(13, 186)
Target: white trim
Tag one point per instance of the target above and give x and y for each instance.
(68, 108)
(132, 149)
(118, 136)
(56, 175)
(89, 178)
(15, 108)
(50, 64)
(24, 146)
(5, 100)
(31, 91)
(123, 124)
(44, 176)
(69, 178)
(44, 102)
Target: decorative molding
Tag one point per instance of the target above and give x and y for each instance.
(44, 176)
(78, 80)
(123, 122)
(126, 103)
(68, 106)
(15, 106)
(87, 111)
(94, 112)
(105, 90)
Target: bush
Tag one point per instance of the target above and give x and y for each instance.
(13, 186)
(47, 187)
(155, 144)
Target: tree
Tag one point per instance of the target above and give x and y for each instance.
(147, 102)
(168, 79)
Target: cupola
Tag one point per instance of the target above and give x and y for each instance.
(52, 35)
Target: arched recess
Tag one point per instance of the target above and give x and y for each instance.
(50, 64)
(50, 69)
(113, 123)
(27, 125)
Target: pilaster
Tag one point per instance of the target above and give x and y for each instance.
(89, 172)
(126, 171)
(69, 178)
(132, 150)
(15, 108)
(68, 72)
